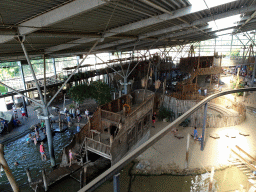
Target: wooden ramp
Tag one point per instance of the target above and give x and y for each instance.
(56, 175)
(246, 166)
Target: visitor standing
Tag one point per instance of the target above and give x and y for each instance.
(71, 157)
(205, 92)
(200, 91)
(86, 113)
(43, 155)
(153, 119)
(69, 120)
(78, 128)
(195, 133)
(66, 111)
(15, 114)
(23, 114)
(73, 111)
(78, 114)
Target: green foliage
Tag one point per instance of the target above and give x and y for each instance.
(240, 85)
(165, 113)
(184, 123)
(2, 89)
(97, 90)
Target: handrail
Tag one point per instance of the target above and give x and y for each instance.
(252, 158)
(248, 163)
(139, 150)
(98, 142)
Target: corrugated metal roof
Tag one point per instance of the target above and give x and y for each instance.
(95, 22)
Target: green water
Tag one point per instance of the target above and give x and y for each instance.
(28, 156)
(226, 180)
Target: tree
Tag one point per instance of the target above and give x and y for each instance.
(99, 91)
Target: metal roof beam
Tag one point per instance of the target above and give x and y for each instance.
(51, 17)
(197, 22)
(144, 23)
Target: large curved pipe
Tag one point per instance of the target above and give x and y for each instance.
(136, 152)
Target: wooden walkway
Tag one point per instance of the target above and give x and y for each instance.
(56, 175)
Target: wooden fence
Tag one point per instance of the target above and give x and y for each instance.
(213, 121)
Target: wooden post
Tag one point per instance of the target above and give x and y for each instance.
(28, 175)
(118, 103)
(109, 107)
(211, 179)
(81, 179)
(7, 170)
(44, 180)
(211, 80)
(188, 140)
(85, 171)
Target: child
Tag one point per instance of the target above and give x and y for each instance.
(153, 119)
(69, 120)
(71, 157)
(35, 141)
(42, 151)
(78, 128)
(78, 114)
(15, 111)
(29, 138)
(195, 134)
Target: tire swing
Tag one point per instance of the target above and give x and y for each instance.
(126, 108)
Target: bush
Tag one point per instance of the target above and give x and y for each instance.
(184, 123)
(165, 113)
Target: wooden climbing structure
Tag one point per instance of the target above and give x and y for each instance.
(114, 130)
(196, 66)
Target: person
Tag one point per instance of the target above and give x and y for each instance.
(69, 120)
(66, 111)
(174, 131)
(37, 132)
(23, 113)
(78, 128)
(34, 139)
(42, 124)
(199, 91)
(154, 119)
(200, 138)
(16, 163)
(43, 155)
(86, 113)
(205, 92)
(195, 133)
(29, 138)
(71, 157)
(73, 113)
(78, 114)
(15, 114)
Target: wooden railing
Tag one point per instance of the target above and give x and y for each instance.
(110, 116)
(98, 146)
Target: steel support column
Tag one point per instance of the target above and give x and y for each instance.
(116, 182)
(54, 68)
(45, 107)
(125, 85)
(204, 125)
(24, 83)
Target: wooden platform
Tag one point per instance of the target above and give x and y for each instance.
(56, 175)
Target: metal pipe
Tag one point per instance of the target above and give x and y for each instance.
(44, 79)
(72, 73)
(54, 68)
(116, 182)
(23, 78)
(14, 90)
(32, 70)
(7, 170)
(204, 125)
(150, 142)
(110, 67)
(156, 6)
